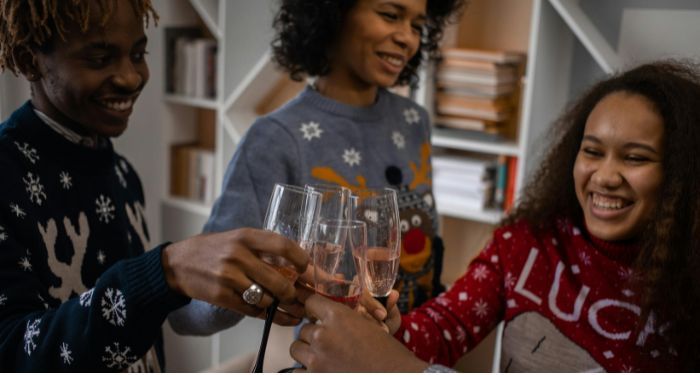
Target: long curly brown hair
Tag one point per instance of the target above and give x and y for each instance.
(306, 29)
(34, 23)
(669, 263)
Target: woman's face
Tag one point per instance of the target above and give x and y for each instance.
(618, 170)
(377, 40)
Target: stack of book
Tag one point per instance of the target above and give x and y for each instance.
(475, 89)
(466, 183)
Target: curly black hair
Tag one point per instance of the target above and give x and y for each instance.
(668, 266)
(306, 29)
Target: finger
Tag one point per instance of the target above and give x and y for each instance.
(242, 283)
(301, 352)
(273, 243)
(237, 303)
(294, 309)
(270, 279)
(322, 308)
(284, 319)
(374, 307)
(392, 299)
(307, 333)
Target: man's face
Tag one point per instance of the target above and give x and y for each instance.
(90, 82)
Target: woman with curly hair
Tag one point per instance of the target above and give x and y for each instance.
(596, 269)
(79, 288)
(346, 128)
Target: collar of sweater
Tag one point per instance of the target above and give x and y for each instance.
(373, 112)
(26, 126)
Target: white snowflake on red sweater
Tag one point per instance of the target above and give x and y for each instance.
(480, 273)
(481, 308)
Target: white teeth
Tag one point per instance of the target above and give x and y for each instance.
(118, 106)
(607, 203)
(392, 60)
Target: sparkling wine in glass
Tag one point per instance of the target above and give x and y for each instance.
(337, 203)
(379, 260)
(336, 275)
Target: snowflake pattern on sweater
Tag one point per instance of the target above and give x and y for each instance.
(561, 314)
(58, 301)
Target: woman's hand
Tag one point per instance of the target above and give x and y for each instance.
(388, 315)
(342, 340)
(219, 267)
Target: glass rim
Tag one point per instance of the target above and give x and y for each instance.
(296, 188)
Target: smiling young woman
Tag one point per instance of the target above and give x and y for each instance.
(598, 267)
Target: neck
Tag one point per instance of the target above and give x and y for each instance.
(346, 91)
(41, 103)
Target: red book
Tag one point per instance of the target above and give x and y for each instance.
(510, 183)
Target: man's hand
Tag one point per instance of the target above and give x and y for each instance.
(219, 267)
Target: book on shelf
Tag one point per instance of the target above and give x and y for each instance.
(192, 172)
(468, 123)
(476, 89)
(171, 37)
(509, 198)
(462, 164)
(458, 76)
(458, 202)
(480, 67)
(494, 56)
(191, 63)
(453, 106)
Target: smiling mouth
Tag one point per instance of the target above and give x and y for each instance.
(117, 105)
(608, 203)
(392, 60)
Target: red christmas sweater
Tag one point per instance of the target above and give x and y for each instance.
(565, 299)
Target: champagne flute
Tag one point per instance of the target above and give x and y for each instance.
(336, 275)
(379, 260)
(291, 212)
(337, 203)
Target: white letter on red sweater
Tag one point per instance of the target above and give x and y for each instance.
(603, 303)
(554, 291)
(520, 285)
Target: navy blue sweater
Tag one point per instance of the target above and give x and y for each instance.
(78, 292)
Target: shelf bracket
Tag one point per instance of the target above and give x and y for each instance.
(588, 34)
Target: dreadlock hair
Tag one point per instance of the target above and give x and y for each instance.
(668, 266)
(306, 29)
(35, 23)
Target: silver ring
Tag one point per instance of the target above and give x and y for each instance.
(253, 295)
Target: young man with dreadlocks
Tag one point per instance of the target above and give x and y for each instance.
(78, 290)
